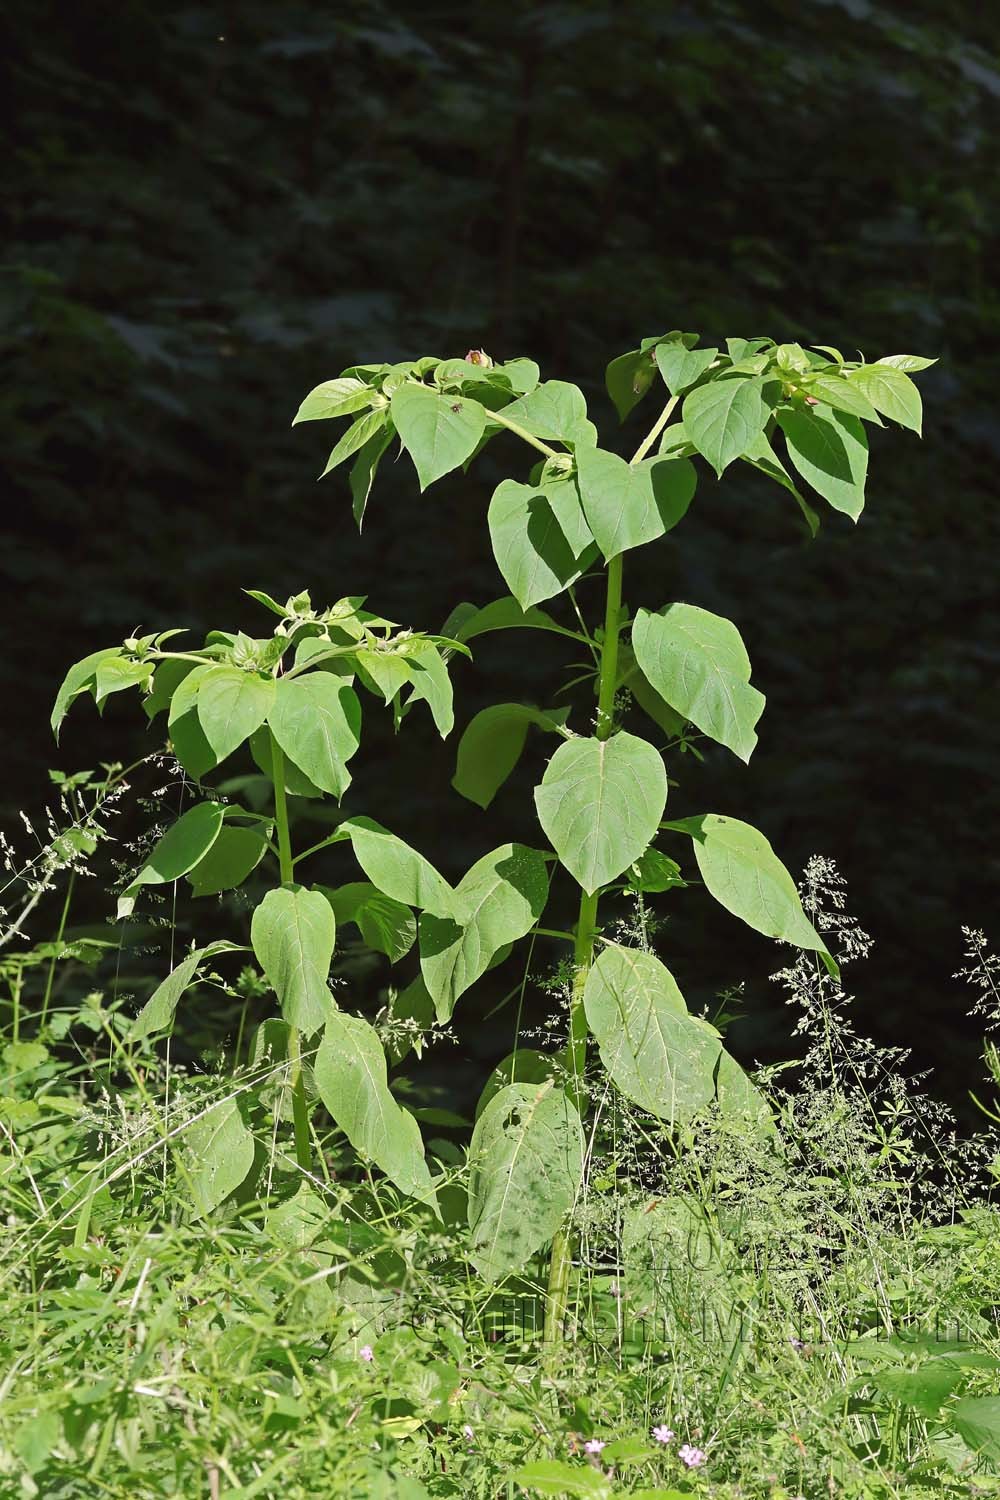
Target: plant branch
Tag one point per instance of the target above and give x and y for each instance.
(498, 416)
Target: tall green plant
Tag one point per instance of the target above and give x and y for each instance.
(797, 415)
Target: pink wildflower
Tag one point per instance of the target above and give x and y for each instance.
(693, 1457)
(663, 1433)
(366, 1353)
(593, 1445)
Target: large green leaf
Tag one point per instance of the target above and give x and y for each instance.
(297, 783)
(532, 550)
(431, 684)
(81, 676)
(600, 802)
(438, 431)
(682, 367)
(499, 614)
(554, 410)
(628, 378)
(656, 1053)
(184, 726)
(383, 672)
(293, 934)
(231, 705)
(723, 417)
(523, 1066)
(744, 874)
(627, 505)
(316, 720)
(526, 1160)
(495, 903)
(906, 361)
(357, 436)
(115, 675)
(166, 680)
(631, 677)
(220, 1151)
(334, 398)
(977, 1420)
(739, 1098)
(183, 846)
(362, 475)
(350, 1073)
(230, 860)
(158, 1012)
(387, 926)
(698, 664)
(551, 1476)
(397, 869)
(891, 391)
(491, 747)
(563, 496)
(842, 395)
(830, 451)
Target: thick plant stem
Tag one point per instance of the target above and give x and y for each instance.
(300, 1108)
(560, 1263)
(281, 813)
(561, 1258)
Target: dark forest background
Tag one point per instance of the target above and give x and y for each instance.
(211, 208)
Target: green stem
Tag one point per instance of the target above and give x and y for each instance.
(285, 861)
(527, 437)
(561, 1259)
(300, 1108)
(49, 978)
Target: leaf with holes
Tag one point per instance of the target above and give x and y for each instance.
(600, 802)
(526, 1161)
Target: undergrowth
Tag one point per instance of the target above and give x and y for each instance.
(804, 1305)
